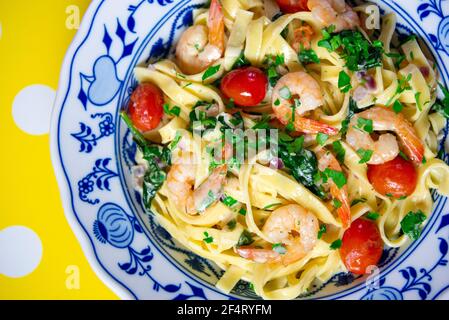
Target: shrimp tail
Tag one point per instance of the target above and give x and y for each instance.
(344, 212)
(412, 145)
(210, 190)
(216, 25)
(310, 126)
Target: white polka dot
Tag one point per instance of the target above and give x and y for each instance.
(32, 108)
(20, 251)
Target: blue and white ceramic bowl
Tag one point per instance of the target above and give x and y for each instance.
(92, 154)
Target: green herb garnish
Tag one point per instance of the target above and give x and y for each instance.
(344, 82)
(308, 56)
(397, 106)
(337, 177)
(336, 244)
(411, 224)
(357, 51)
(365, 155)
(322, 231)
(245, 239)
(336, 203)
(229, 201)
(321, 138)
(365, 124)
(372, 216)
(207, 238)
(175, 111)
(210, 72)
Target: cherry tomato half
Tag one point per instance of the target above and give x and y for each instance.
(146, 107)
(246, 86)
(396, 178)
(292, 6)
(362, 246)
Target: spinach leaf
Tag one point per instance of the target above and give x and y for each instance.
(158, 159)
(245, 239)
(303, 166)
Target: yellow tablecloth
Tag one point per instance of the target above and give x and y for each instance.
(34, 36)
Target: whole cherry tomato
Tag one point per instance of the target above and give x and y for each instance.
(246, 86)
(396, 178)
(292, 6)
(146, 107)
(362, 246)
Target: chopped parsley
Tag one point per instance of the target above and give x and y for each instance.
(272, 63)
(403, 85)
(337, 177)
(242, 211)
(397, 106)
(210, 72)
(336, 203)
(372, 216)
(308, 56)
(321, 138)
(322, 231)
(175, 111)
(418, 104)
(207, 238)
(365, 124)
(358, 52)
(336, 244)
(411, 224)
(344, 82)
(229, 201)
(365, 155)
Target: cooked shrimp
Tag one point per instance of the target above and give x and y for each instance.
(386, 148)
(291, 226)
(334, 12)
(180, 181)
(327, 160)
(302, 37)
(301, 86)
(200, 46)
